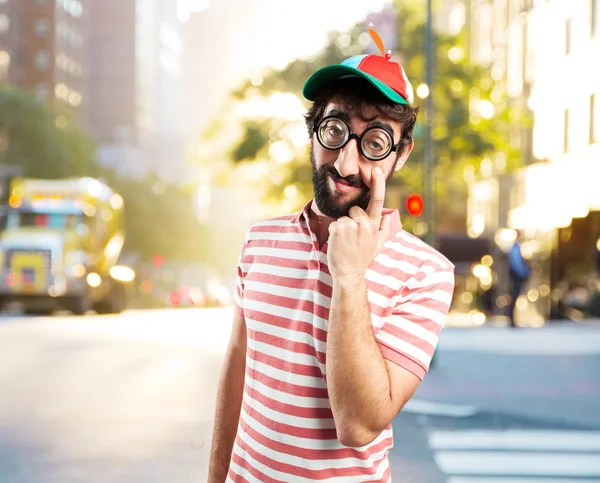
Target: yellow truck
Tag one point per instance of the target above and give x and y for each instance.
(60, 247)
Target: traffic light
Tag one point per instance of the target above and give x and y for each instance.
(158, 260)
(414, 204)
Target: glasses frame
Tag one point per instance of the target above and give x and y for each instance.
(359, 138)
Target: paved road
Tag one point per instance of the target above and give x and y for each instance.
(130, 398)
(506, 406)
(109, 399)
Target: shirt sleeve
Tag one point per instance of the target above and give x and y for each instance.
(238, 295)
(410, 334)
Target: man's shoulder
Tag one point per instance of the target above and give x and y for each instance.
(279, 224)
(283, 220)
(408, 248)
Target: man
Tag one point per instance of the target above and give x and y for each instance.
(338, 310)
(519, 273)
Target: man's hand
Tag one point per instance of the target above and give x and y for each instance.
(355, 240)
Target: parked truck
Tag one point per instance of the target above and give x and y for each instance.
(60, 247)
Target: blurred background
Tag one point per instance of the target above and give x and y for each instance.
(140, 139)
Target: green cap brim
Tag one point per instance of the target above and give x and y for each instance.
(332, 72)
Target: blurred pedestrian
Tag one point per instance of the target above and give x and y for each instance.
(597, 251)
(337, 309)
(519, 273)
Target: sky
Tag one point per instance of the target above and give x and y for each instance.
(274, 32)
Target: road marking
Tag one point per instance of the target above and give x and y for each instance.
(522, 440)
(570, 340)
(517, 455)
(420, 406)
(518, 464)
(478, 479)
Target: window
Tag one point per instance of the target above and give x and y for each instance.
(42, 91)
(594, 135)
(75, 39)
(74, 7)
(44, 220)
(41, 60)
(566, 132)
(4, 23)
(568, 37)
(42, 28)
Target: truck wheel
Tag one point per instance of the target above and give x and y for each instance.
(38, 311)
(80, 305)
(114, 303)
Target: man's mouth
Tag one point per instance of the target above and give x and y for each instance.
(338, 180)
(342, 186)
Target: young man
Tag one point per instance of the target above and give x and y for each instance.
(338, 310)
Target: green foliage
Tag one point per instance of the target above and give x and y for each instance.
(462, 136)
(255, 138)
(44, 141)
(159, 218)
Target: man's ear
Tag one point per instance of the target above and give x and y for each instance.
(404, 156)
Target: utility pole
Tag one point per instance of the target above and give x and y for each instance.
(430, 236)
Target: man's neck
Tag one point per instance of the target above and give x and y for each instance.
(319, 224)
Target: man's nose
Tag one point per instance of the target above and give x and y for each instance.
(347, 163)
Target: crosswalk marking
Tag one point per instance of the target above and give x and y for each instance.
(420, 406)
(561, 340)
(517, 456)
(517, 439)
(477, 479)
(520, 464)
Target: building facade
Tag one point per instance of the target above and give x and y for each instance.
(135, 86)
(554, 199)
(42, 49)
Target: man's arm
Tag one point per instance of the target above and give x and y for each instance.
(366, 391)
(229, 402)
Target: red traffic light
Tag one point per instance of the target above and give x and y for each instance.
(158, 260)
(414, 205)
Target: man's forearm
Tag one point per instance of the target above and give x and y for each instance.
(357, 378)
(227, 414)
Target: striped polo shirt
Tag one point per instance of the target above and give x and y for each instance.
(286, 431)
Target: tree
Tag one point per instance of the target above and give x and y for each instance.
(41, 139)
(470, 119)
(45, 142)
(159, 218)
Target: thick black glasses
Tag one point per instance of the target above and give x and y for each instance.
(374, 144)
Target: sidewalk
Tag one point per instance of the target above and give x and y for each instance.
(554, 338)
(478, 320)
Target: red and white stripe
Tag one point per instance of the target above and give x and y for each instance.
(286, 430)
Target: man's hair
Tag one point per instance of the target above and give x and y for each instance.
(359, 96)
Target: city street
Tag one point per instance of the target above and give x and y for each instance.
(506, 406)
(130, 398)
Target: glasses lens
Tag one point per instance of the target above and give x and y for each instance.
(376, 143)
(333, 133)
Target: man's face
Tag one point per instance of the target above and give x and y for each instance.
(342, 177)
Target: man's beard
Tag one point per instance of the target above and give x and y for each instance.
(328, 201)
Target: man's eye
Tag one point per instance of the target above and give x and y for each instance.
(375, 146)
(335, 132)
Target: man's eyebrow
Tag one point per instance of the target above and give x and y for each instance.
(383, 125)
(344, 116)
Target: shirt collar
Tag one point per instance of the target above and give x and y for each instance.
(395, 222)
